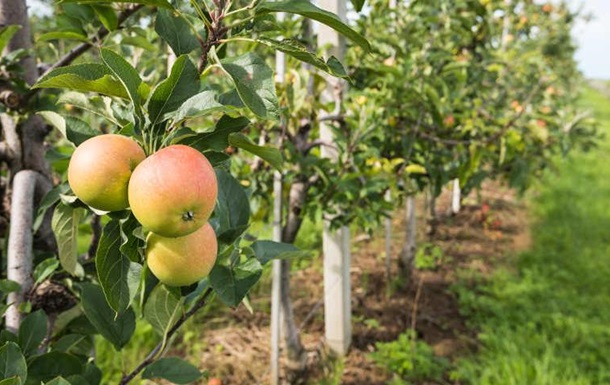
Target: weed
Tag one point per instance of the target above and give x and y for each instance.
(409, 359)
(430, 257)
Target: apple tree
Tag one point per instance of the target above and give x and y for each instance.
(469, 90)
(105, 80)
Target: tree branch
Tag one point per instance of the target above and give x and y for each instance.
(152, 356)
(96, 229)
(102, 33)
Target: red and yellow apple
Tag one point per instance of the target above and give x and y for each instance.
(182, 261)
(173, 192)
(100, 169)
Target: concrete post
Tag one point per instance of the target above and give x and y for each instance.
(336, 244)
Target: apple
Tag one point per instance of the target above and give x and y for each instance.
(100, 169)
(173, 192)
(182, 261)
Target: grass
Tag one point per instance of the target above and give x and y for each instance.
(547, 321)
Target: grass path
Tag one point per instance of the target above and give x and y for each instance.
(547, 322)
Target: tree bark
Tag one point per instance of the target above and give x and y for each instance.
(25, 151)
(20, 241)
(295, 352)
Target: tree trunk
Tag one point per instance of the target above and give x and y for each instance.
(295, 352)
(25, 151)
(20, 241)
(431, 213)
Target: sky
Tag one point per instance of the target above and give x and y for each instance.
(592, 37)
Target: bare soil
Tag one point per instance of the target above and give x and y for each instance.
(489, 227)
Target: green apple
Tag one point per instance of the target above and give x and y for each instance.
(100, 169)
(173, 192)
(182, 261)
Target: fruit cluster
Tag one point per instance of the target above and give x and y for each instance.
(172, 193)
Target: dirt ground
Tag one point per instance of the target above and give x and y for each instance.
(489, 227)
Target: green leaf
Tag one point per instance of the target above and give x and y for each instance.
(233, 283)
(173, 369)
(139, 41)
(93, 374)
(118, 330)
(65, 227)
(6, 34)
(154, 3)
(107, 16)
(217, 140)
(78, 344)
(306, 9)
(176, 32)
(358, 4)
(297, 50)
(50, 198)
(32, 331)
(265, 251)
(131, 244)
(99, 105)
(44, 269)
(163, 309)
(202, 104)
(270, 154)
(12, 362)
(232, 211)
(254, 82)
(127, 75)
(182, 83)
(8, 286)
(6, 336)
(218, 159)
(118, 275)
(58, 381)
(77, 130)
(77, 379)
(50, 365)
(11, 381)
(63, 35)
(89, 77)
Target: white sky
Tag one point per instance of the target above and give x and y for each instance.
(593, 37)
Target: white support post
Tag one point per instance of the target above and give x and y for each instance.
(410, 244)
(456, 197)
(280, 71)
(276, 287)
(336, 244)
(388, 240)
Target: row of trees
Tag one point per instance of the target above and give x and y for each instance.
(461, 91)
(438, 91)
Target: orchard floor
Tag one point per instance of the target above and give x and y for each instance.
(522, 296)
(234, 345)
